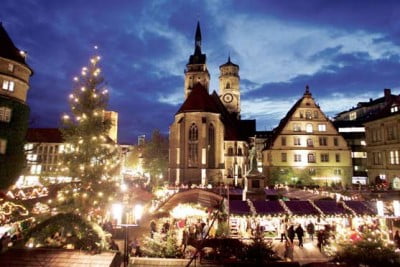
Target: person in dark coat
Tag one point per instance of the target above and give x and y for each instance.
(396, 239)
(152, 228)
(300, 234)
(291, 233)
(311, 230)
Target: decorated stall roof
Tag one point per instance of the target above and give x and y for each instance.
(301, 207)
(359, 207)
(239, 207)
(331, 207)
(271, 207)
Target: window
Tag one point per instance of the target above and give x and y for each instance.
(3, 146)
(308, 115)
(312, 171)
(284, 157)
(296, 127)
(301, 114)
(240, 153)
(255, 183)
(376, 135)
(322, 127)
(337, 171)
(296, 141)
(335, 141)
(5, 114)
(394, 109)
(297, 157)
(325, 157)
(394, 157)
(239, 172)
(358, 154)
(230, 151)
(193, 145)
(230, 172)
(391, 132)
(283, 141)
(353, 116)
(337, 157)
(311, 158)
(10, 67)
(310, 142)
(309, 128)
(377, 158)
(8, 86)
(228, 85)
(323, 141)
(315, 114)
(211, 146)
(363, 143)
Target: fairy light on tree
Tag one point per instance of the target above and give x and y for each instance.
(91, 156)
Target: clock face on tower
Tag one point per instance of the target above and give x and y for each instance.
(227, 98)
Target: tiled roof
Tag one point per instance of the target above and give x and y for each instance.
(198, 100)
(44, 135)
(8, 49)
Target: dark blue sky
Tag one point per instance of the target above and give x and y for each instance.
(347, 51)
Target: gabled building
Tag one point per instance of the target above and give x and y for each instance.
(208, 141)
(14, 112)
(306, 148)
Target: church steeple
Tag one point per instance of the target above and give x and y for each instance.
(196, 69)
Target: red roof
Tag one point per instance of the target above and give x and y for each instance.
(199, 100)
(44, 135)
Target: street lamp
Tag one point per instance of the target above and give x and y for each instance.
(117, 212)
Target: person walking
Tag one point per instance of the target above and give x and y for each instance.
(396, 239)
(283, 230)
(300, 234)
(311, 230)
(153, 228)
(291, 233)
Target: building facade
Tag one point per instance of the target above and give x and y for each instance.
(14, 112)
(208, 142)
(383, 146)
(306, 148)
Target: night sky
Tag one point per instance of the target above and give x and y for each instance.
(347, 51)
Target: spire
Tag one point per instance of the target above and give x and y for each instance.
(229, 57)
(198, 35)
(198, 57)
(8, 49)
(307, 92)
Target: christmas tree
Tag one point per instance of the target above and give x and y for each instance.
(90, 155)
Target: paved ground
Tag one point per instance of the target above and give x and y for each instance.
(308, 253)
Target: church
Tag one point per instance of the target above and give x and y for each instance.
(209, 143)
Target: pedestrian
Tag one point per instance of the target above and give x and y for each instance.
(396, 239)
(113, 245)
(153, 228)
(291, 233)
(300, 234)
(311, 230)
(283, 230)
(185, 239)
(320, 238)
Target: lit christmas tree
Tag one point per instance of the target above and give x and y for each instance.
(90, 155)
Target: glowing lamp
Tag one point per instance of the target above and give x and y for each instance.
(117, 212)
(396, 208)
(138, 212)
(379, 207)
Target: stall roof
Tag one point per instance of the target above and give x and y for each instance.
(301, 207)
(268, 207)
(239, 207)
(57, 258)
(331, 207)
(359, 207)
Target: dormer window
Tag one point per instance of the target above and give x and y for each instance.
(10, 67)
(8, 85)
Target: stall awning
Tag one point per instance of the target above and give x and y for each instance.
(331, 207)
(300, 207)
(239, 207)
(272, 207)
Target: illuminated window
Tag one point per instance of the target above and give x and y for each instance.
(296, 141)
(5, 114)
(394, 109)
(8, 85)
(323, 141)
(394, 157)
(309, 128)
(193, 145)
(353, 116)
(325, 157)
(363, 143)
(359, 154)
(3, 146)
(297, 157)
(284, 157)
(322, 127)
(311, 158)
(211, 146)
(296, 127)
(10, 67)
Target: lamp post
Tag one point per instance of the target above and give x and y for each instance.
(117, 211)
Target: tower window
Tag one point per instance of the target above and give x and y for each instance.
(5, 114)
(228, 86)
(3, 146)
(193, 145)
(8, 85)
(10, 67)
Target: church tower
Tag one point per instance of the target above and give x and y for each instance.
(229, 86)
(196, 69)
